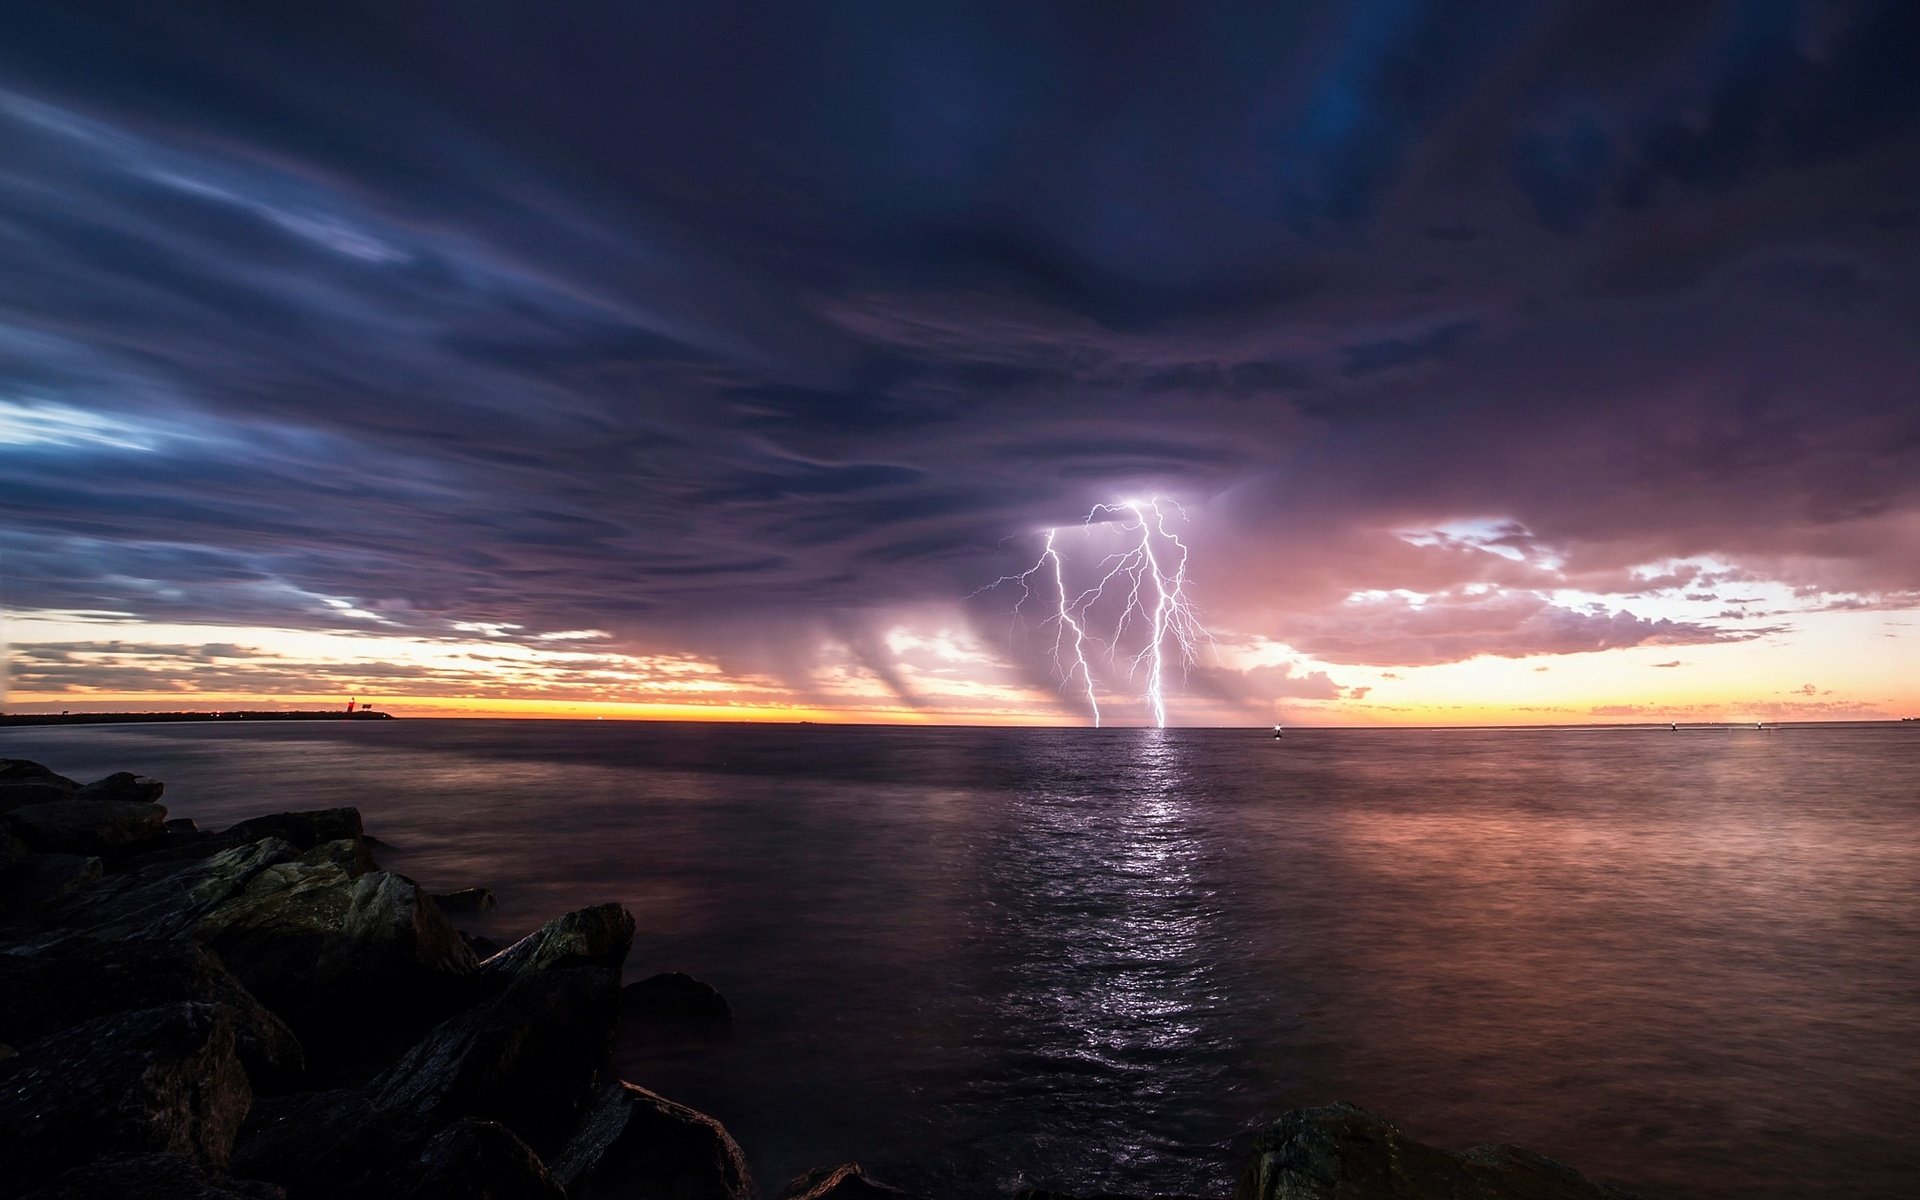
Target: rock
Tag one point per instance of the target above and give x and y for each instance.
(528, 1058)
(467, 902)
(848, 1182)
(162, 901)
(330, 951)
(674, 998)
(182, 825)
(87, 826)
(589, 937)
(304, 829)
(482, 947)
(349, 854)
(59, 986)
(23, 782)
(153, 1177)
(469, 1160)
(12, 849)
(157, 1080)
(315, 1144)
(122, 785)
(1340, 1152)
(635, 1145)
(39, 879)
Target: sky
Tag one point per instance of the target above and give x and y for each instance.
(1522, 362)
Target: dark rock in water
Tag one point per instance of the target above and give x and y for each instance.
(39, 879)
(848, 1182)
(122, 785)
(57, 987)
(1340, 1152)
(87, 826)
(635, 1145)
(469, 1160)
(482, 947)
(182, 825)
(528, 1058)
(314, 1144)
(153, 1177)
(589, 937)
(23, 770)
(467, 902)
(331, 952)
(673, 998)
(157, 1080)
(304, 829)
(23, 782)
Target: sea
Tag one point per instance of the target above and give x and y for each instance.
(973, 960)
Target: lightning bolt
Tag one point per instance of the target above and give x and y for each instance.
(1150, 580)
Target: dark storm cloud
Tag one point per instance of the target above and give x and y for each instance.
(698, 323)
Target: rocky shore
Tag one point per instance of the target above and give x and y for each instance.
(262, 1011)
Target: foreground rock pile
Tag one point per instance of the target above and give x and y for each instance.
(264, 1012)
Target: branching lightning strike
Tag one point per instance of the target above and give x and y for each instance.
(1149, 580)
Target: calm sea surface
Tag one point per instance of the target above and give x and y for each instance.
(975, 959)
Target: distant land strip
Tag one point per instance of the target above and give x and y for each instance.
(125, 718)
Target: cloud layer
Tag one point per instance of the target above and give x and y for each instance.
(734, 332)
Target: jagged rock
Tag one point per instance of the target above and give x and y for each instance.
(528, 1058)
(23, 782)
(87, 826)
(674, 998)
(163, 901)
(304, 829)
(330, 951)
(467, 902)
(39, 879)
(57, 987)
(349, 854)
(157, 1080)
(849, 1182)
(153, 1177)
(468, 1160)
(314, 1144)
(635, 1145)
(1341, 1152)
(482, 947)
(122, 785)
(589, 937)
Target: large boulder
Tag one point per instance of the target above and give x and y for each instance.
(635, 1145)
(589, 937)
(105, 827)
(304, 829)
(24, 782)
(153, 1177)
(1341, 1152)
(36, 880)
(468, 1160)
(122, 785)
(330, 950)
(157, 1080)
(56, 987)
(528, 1057)
(845, 1182)
(467, 902)
(162, 902)
(674, 998)
(315, 1144)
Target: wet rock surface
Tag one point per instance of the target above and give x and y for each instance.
(849, 1182)
(600, 936)
(1341, 1152)
(635, 1145)
(155, 1080)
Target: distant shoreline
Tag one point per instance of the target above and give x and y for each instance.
(127, 718)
